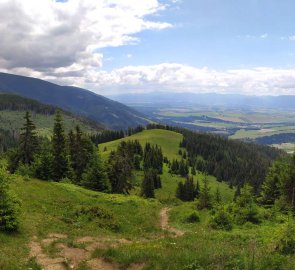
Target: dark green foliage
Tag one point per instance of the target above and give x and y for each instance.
(193, 170)
(193, 218)
(9, 206)
(217, 196)
(205, 198)
(179, 167)
(95, 176)
(284, 239)
(107, 136)
(221, 219)
(153, 158)
(120, 166)
(245, 208)
(186, 191)
(81, 151)
(232, 161)
(280, 183)
(148, 184)
(43, 162)
(60, 163)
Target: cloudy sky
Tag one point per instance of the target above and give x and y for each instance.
(121, 46)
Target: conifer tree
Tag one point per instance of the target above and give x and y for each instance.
(59, 150)
(95, 176)
(205, 200)
(147, 187)
(197, 189)
(193, 170)
(217, 195)
(28, 141)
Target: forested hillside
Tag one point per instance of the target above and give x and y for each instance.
(12, 111)
(146, 200)
(82, 102)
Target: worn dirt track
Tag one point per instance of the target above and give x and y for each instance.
(71, 257)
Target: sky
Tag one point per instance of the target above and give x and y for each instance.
(133, 46)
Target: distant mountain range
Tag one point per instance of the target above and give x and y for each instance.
(110, 113)
(207, 100)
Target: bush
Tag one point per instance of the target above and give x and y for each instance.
(284, 239)
(9, 206)
(221, 220)
(192, 218)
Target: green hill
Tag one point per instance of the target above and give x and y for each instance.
(64, 226)
(13, 107)
(169, 142)
(80, 101)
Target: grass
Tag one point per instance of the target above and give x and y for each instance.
(14, 120)
(50, 207)
(168, 140)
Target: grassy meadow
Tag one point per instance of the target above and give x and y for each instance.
(128, 229)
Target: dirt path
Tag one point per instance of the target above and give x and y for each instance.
(164, 221)
(68, 257)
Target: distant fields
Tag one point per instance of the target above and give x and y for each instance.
(271, 127)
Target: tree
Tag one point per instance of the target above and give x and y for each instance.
(81, 152)
(187, 191)
(193, 170)
(9, 206)
(147, 187)
(205, 200)
(43, 162)
(95, 176)
(119, 170)
(60, 162)
(217, 195)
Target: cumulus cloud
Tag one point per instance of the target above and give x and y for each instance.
(62, 38)
(184, 78)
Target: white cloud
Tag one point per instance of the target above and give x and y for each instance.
(50, 37)
(292, 38)
(264, 36)
(183, 78)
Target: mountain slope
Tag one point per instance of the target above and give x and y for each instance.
(80, 101)
(12, 111)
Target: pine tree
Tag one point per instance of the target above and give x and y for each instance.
(147, 187)
(197, 189)
(180, 191)
(95, 176)
(217, 196)
(59, 150)
(28, 141)
(205, 196)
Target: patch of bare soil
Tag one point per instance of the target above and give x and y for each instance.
(164, 218)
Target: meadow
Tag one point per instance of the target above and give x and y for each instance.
(67, 226)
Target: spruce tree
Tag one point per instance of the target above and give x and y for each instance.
(60, 164)
(28, 141)
(147, 187)
(217, 196)
(205, 196)
(95, 176)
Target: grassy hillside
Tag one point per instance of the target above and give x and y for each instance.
(13, 108)
(169, 142)
(64, 226)
(80, 101)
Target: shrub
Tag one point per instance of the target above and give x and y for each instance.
(192, 218)
(9, 206)
(284, 239)
(221, 220)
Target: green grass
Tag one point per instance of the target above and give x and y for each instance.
(14, 120)
(168, 140)
(48, 207)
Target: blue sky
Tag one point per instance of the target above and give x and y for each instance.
(218, 34)
(122, 46)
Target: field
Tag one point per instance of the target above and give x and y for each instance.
(264, 126)
(129, 232)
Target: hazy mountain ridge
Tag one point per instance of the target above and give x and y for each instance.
(77, 100)
(285, 102)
